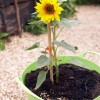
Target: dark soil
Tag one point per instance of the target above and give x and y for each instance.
(75, 83)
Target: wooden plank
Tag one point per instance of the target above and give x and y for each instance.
(2, 17)
(10, 18)
(19, 1)
(25, 8)
(17, 17)
(0, 25)
(6, 3)
(0, 21)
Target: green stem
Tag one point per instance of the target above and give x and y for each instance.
(55, 55)
(59, 33)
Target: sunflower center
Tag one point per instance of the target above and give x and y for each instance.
(49, 9)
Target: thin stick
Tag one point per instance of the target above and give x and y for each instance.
(18, 18)
(50, 44)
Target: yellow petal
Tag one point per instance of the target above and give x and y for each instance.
(57, 17)
(46, 16)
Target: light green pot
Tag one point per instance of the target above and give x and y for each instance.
(64, 59)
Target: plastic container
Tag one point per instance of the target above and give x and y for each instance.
(64, 59)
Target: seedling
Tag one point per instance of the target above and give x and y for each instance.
(49, 11)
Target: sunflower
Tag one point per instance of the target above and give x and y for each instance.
(48, 10)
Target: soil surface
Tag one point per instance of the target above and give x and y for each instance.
(75, 83)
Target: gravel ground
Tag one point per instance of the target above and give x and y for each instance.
(12, 61)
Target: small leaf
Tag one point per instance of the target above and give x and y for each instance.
(61, 1)
(78, 63)
(36, 45)
(44, 52)
(34, 13)
(68, 23)
(57, 43)
(35, 22)
(3, 35)
(40, 79)
(65, 45)
(2, 45)
(43, 61)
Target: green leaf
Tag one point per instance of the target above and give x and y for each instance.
(40, 79)
(35, 22)
(34, 13)
(78, 63)
(57, 43)
(68, 23)
(61, 1)
(36, 45)
(2, 45)
(65, 45)
(3, 35)
(44, 52)
(43, 61)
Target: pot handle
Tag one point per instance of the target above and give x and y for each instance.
(93, 52)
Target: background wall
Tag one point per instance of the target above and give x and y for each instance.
(8, 21)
